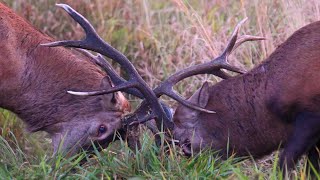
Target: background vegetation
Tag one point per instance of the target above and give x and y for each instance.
(160, 37)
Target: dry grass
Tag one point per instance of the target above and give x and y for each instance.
(161, 37)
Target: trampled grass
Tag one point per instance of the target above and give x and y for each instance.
(159, 37)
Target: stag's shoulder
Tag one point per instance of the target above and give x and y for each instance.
(308, 33)
(301, 43)
(312, 27)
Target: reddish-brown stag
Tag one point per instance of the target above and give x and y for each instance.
(34, 84)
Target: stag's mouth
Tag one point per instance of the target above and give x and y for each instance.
(186, 148)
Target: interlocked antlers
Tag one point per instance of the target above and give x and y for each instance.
(151, 107)
(94, 43)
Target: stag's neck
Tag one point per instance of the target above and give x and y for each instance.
(242, 111)
(242, 95)
(37, 93)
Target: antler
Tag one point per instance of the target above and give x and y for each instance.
(94, 43)
(212, 67)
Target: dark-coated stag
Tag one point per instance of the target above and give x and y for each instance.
(34, 84)
(276, 104)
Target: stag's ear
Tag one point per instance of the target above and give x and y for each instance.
(203, 96)
(108, 99)
(113, 101)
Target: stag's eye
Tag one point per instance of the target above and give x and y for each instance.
(102, 129)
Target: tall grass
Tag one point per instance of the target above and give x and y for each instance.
(159, 37)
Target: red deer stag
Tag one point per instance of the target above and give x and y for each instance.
(34, 84)
(275, 104)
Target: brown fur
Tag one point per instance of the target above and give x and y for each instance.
(262, 109)
(34, 81)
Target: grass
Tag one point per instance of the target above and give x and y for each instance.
(160, 37)
(150, 162)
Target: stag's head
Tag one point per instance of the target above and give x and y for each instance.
(90, 120)
(73, 122)
(191, 129)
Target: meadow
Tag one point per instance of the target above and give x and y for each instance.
(159, 37)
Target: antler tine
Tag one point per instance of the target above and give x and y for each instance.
(233, 38)
(245, 38)
(94, 43)
(84, 23)
(232, 45)
(223, 58)
(120, 87)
